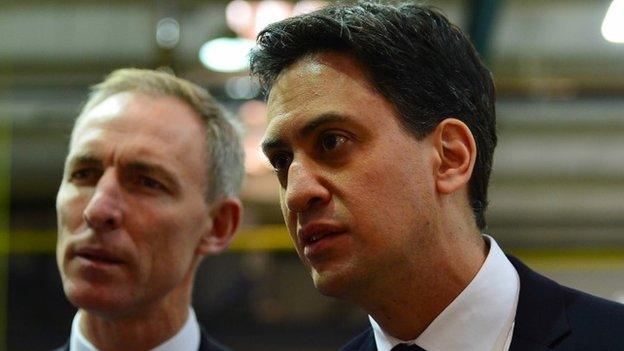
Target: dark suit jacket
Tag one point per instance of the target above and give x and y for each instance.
(550, 317)
(206, 344)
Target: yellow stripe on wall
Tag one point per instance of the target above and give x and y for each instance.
(263, 238)
(276, 238)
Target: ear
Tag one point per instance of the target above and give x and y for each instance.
(226, 216)
(457, 152)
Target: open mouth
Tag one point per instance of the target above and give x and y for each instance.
(317, 237)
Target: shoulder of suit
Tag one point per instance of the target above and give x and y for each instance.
(591, 322)
(361, 341)
(63, 348)
(208, 343)
(587, 308)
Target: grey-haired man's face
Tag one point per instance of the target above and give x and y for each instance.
(131, 208)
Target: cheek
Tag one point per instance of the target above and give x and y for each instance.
(389, 195)
(165, 262)
(289, 218)
(168, 236)
(70, 205)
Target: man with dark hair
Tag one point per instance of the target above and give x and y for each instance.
(382, 133)
(150, 187)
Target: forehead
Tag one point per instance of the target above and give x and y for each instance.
(163, 116)
(334, 84)
(320, 75)
(136, 125)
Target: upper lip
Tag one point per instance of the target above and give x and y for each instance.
(314, 231)
(98, 254)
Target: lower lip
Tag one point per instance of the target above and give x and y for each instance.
(322, 246)
(96, 263)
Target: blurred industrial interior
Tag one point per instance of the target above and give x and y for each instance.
(556, 197)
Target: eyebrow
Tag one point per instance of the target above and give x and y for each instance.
(82, 159)
(312, 125)
(146, 167)
(135, 166)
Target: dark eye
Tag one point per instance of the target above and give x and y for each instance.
(281, 161)
(331, 141)
(84, 175)
(150, 183)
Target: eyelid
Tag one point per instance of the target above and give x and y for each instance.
(81, 168)
(335, 133)
(271, 156)
(159, 184)
(340, 132)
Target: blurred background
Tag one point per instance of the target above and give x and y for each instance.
(557, 193)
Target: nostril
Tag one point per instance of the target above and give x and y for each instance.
(306, 188)
(102, 219)
(102, 223)
(87, 220)
(303, 201)
(103, 212)
(315, 201)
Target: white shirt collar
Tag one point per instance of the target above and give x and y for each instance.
(187, 339)
(480, 318)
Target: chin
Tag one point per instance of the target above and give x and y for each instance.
(330, 284)
(93, 299)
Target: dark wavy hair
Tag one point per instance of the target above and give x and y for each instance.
(415, 58)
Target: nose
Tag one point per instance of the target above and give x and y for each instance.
(305, 189)
(103, 212)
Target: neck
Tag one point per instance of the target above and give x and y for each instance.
(428, 284)
(143, 333)
(142, 329)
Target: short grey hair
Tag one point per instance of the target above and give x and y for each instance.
(223, 133)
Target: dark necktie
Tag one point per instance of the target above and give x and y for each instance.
(406, 347)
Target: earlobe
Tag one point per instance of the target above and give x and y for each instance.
(457, 153)
(226, 216)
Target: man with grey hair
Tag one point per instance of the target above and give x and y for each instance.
(149, 188)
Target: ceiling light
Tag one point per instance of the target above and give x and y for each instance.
(226, 54)
(167, 33)
(613, 23)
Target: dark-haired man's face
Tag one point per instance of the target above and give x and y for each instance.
(356, 189)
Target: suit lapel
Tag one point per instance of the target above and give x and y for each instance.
(209, 344)
(541, 320)
(369, 344)
(63, 348)
(362, 342)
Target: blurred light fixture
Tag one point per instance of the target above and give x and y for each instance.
(242, 88)
(167, 33)
(307, 6)
(226, 54)
(239, 15)
(613, 23)
(253, 115)
(270, 11)
(247, 19)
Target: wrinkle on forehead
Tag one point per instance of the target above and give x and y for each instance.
(123, 112)
(309, 88)
(309, 68)
(108, 108)
(133, 127)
